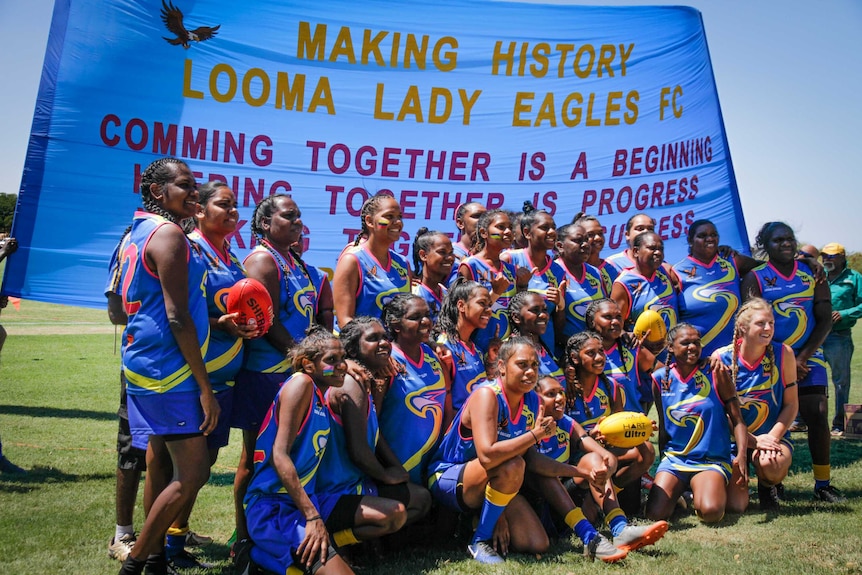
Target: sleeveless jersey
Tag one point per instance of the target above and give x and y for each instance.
(620, 261)
(338, 474)
(559, 446)
(296, 310)
(584, 286)
(551, 275)
(411, 416)
(225, 353)
(152, 362)
(498, 326)
(461, 253)
(305, 453)
(469, 369)
(547, 366)
(709, 299)
(457, 445)
(621, 366)
(655, 293)
(760, 388)
(434, 303)
(378, 283)
(611, 271)
(599, 403)
(792, 300)
(694, 417)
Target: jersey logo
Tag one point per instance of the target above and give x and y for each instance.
(770, 281)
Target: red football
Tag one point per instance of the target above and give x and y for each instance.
(251, 301)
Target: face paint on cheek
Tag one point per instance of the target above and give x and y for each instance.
(495, 236)
(383, 222)
(327, 370)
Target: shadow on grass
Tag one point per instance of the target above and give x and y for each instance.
(42, 411)
(39, 476)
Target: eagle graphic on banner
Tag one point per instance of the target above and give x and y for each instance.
(173, 19)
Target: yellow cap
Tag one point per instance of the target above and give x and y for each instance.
(833, 249)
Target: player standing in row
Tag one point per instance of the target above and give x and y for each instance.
(803, 319)
(370, 274)
(433, 260)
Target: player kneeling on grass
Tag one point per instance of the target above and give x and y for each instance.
(572, 443)
(287, 516)
(483, 457)
(694, 403)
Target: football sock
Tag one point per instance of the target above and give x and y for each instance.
(617, 521)
(578, 523)
(494, 505)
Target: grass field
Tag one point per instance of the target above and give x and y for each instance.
(58, 399)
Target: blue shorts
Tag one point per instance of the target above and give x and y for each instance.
(277, 528)
(254, 393)
(685, 469)
(817, 374)
(447, 487)
(221, 434)
(177, 413)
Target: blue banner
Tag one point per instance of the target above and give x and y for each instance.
(612, 111)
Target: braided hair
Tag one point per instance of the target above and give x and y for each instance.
(159, 172)
(447, 320)
(484, 222)
(312, 347)
(742, 322)
(574, 386)
(423, 240)
(670, 363)
(394, 311)
(369, 208)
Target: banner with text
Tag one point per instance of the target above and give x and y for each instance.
(611, 111)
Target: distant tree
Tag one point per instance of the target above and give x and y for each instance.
(7, 210)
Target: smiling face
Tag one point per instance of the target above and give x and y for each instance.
(543, 233)
(640, 224)
(574, 245)
(219, 214)
(704, 242)
(330, 368)
(759, 329)
(386, 222)
(415, 326)
(553, 397)
(374, 348)
(439, 257)
(595, 235)
(686, 347)
(467, 222)
(179, 195)
(532, 318)
(520, 371)
(499, 233)
(475, 311)
(590, 358)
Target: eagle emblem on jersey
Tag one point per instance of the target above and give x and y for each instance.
(173, 19)
(770, 281)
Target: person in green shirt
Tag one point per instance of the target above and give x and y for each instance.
(845, 286)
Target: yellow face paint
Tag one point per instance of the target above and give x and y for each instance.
(383, 222)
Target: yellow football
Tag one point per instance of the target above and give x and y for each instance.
(626, 428)
(652, 321)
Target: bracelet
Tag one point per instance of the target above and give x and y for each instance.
(584, 436)
(535, 437)
(315, 518)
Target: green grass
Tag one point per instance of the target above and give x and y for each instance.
(58, 399)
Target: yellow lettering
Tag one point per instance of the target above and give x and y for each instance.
(632, 107)
(217, 70)
(522, 108)
(343, 46)
(379, 114)
(411, 105)
(572, 120)
(546, 111)
(581, 72)
(610, 119)
(624, 57)
(313, 46)
(500, 56)
(322, 97)
(413, 51)
(287, 96)
(436, 94)
(264, 87)
(372, 46)
(468, 103)
(540, 55)
(450, 57)
(606, 59)
(187, 83)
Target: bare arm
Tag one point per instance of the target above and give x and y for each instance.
(116, 311)
(621, 296)
(263, 268)
(325, 305)
(727, 393)
(822, 322)
(345, 284)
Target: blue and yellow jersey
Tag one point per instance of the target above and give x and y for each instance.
(551, 274)
(584, 286)
(610, 270)
(621, 366)
(468, 369)
(296, 311)
(549, 367)
(306, 452)
(694, 418)
(434, 303)
(461, 253)
(620, 261)
(378, 283)
(760, 388)
(709, 299)
(113, 284)
(656, 293)
(152, 361)
(338, 474)
(792, 300)
(225, 353)
(457, 445)
(483, 273)
(598, 403)
(411, 416)
(559, 446)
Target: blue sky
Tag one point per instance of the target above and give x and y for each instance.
(789, 76)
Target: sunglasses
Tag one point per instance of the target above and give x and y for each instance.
(829, 256)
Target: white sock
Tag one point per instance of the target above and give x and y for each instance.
(123, 530)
